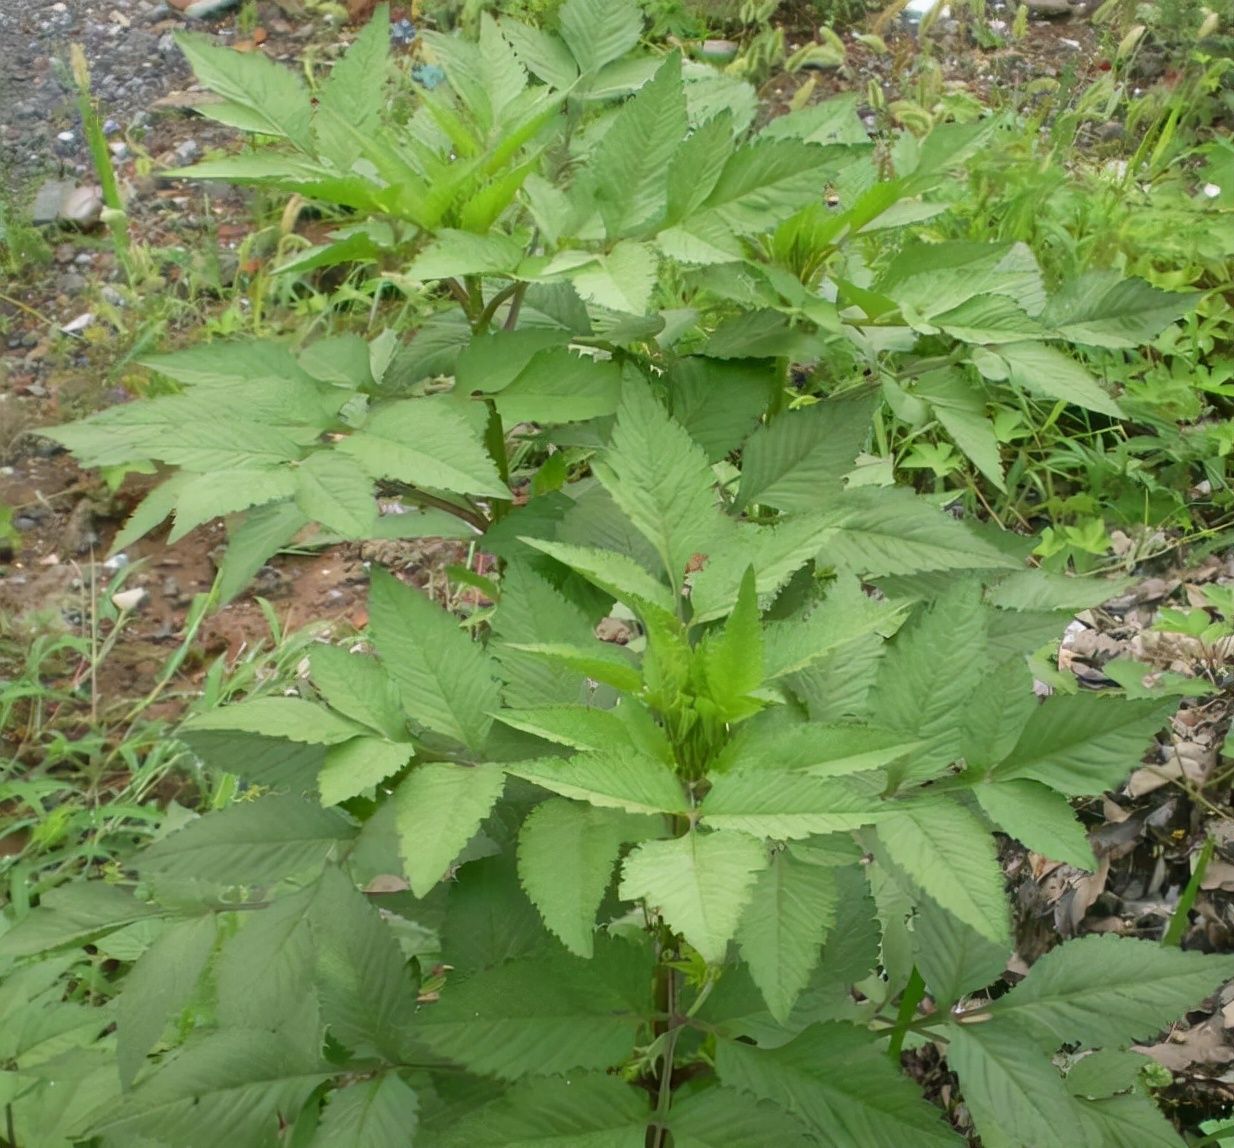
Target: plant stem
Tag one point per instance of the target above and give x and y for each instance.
(909, 1000)
(117, 221)
(515, 306)
(492, 306)
(1178, 922)
(667, 991)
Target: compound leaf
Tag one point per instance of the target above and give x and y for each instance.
(566, 854)
(440, 807)
(699, 883)
(782, 930)
(446, 679)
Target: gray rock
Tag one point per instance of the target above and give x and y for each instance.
(187, 151)
(1052, 9)
(47, 201)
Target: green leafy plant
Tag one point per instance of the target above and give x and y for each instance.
(686, 250)
(689, 890)
(492, 880)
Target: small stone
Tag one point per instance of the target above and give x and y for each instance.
(83, 259)
(82, 206)
(1050, 9)
(199, 9)
(65, 137)
(47, 201)
(80, 323)
(722, 50)
(116, 562)
(112, 296)
(167, 45)
(187, 151)
(128, 599)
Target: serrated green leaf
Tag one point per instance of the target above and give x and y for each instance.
(253, 842)
(532, 611)
(1083, 744)
(618, 575)
(798, 461)
(71, 913)
(356, 766)
(699, 883)
(264, 976)
(151, 511)
(440, 807)
(1048, 372)
(586, 1110)
(358, 687)
(454, 254)
(934, 278)
(630, 164)
(232, 1087)
(783, 928)
(1038, 818)
(891, 531)
(334, 490)
(961, 409)
(1103, 309)
(952, 958)
(559, 386)
(446, 679)
(378, 1113)
(1013, 1089)
(840, 1084)
(281, 765)
(579, 727)
(274, 95)
(718, 403)
(292, 718)
(492, 361)
(157, 987)
(566, 855)
(763, 183)
(817, 749)
(776, 552)
(930, 672)
(354, 92)
(552, 1013)
(788, 805)
(368, 994)
(946, 852)
(427, 443)
(732, 659)
(1109, 991)
(227, 491)
(1040, 590)
(984, 319)
(723, 1118)
(621, 280)
(847, 613)
(251, 540)
(599, 31)
(599, 662)
(618, 778)
(1131, 1121)
(541, 53)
